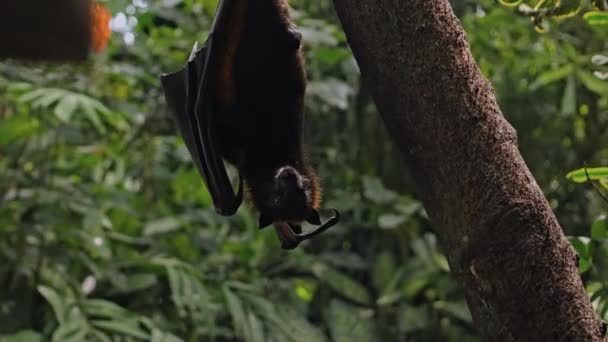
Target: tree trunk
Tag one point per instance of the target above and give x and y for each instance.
(503, 241)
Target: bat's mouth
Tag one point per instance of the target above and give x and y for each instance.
(291, 234)
(287, 235)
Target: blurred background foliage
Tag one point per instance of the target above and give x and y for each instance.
(107, 232)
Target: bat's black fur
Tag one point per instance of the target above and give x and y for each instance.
(260, 128)
(253, 109)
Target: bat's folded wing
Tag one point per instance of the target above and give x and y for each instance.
(175, 87)
(187, 94)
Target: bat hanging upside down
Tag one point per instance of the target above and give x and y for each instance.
(240, 98)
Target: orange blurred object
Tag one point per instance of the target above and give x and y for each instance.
(101, 27)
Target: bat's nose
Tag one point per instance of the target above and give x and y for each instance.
(286, 171)
(287, 174)
(288, 178)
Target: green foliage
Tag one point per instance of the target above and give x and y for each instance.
(108, 233)
(593, 249)
(593, 260)
(586, 174)
(538, 10)
(596, 17)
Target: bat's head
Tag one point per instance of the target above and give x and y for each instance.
(292, 198)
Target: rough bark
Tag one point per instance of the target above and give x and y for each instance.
(503, 241)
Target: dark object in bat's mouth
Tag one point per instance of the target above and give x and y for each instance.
(291, 234)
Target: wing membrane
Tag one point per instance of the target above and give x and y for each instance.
(188, 95)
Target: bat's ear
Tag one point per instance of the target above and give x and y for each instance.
(265, 220)
(314, 218)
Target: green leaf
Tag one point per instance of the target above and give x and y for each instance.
(43, 97)
(296, 326)
(161, 226)
(348, 323)
(123, 327)
(210, 6)
(569, 97)
(257, 329)
(175, 284)
(334, 92)
(603, 308)
(141, 281)
(268, 311)
(374, 190)
(599, 229)
(391, 293)
(595, 173)
(584, 265)
(413, 319)
(182, 293)
(89, 111)
(390, 221)
(596, 291)
(103, 308)
(237, 311)
(68, 103)
(596, 17)
(71, 331)
(593, 83)
(159, 336)
(458, 310)
(441, 261)
(19, 87)
(66, 107)
(282, 320)
(341, 283)
(581, 245)
(384, 270)
(552, 76)
(22, 336)
(56, 302)
(189, 187)
(389, 298)
(14, 128)
(331, 55)
(100, 336)
(510, 2)
(414, 287)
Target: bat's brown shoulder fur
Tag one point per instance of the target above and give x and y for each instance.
(259, 87)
